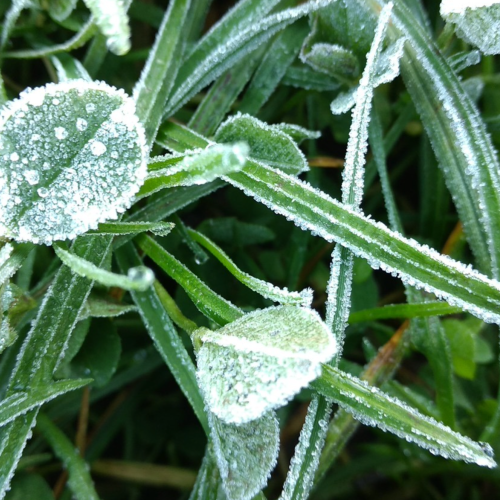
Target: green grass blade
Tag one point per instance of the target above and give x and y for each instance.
(417, 265)
(206, 300)
(404, 311)
(373, 407)
(158, 75)
(138, 278)
(458, 134)
(222, 95)
(271, 70)
(210, 60)
(87, 31)
(267, 290)
(44, 347)
(427, 333)
(79, 479)
(165, 338)
(121, 228)
(18, 404)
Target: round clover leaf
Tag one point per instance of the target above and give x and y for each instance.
(72, 155)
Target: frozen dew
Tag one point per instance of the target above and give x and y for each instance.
(97, 148)
(476, 21)
(57, 176)
(246, 454)
(61, 133)
(260, 361)
(81, 124)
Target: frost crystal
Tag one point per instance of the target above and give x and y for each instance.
(57, 178)
(262, 360)
(477, 22)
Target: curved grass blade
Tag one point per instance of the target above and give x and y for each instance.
(44, 347)
(166, 340)
(312, 210)
(205, 63)
(18, 404)
(207, 301)
(79, 479)
(138, 278)
(267, 290)
(12, 258)
(373, 407)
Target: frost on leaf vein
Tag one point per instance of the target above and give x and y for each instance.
(72, 155)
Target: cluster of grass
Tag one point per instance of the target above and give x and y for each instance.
(271, 272)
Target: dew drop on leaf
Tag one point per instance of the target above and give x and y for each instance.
(58, 177)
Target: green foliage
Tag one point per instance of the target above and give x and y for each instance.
(165, 285)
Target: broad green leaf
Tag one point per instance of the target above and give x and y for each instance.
(260, 361)
(267, 144)
(79, 479)
(373, 407)
(138, 278)
(267, 290)
(72, 155)
(477, 22)
(19, 403)
(166, 340)
(111, 18)
(198, 167)
(246, 454)
(207, 301)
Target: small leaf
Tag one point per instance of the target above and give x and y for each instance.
(100, 308)
(477, 22)
(246, 454)
(333, 60)
(138, 278)
(71, 155)
(261, 360)
(267, 143)
(111, 18)
(462, 346)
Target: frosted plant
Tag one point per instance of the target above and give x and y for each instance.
(261, 360)
(245, 454)
(71, 155)
(476, 21)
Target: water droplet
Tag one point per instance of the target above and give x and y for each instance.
(141, 274)
(14, 157)
(42, 192)
(90, 107)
